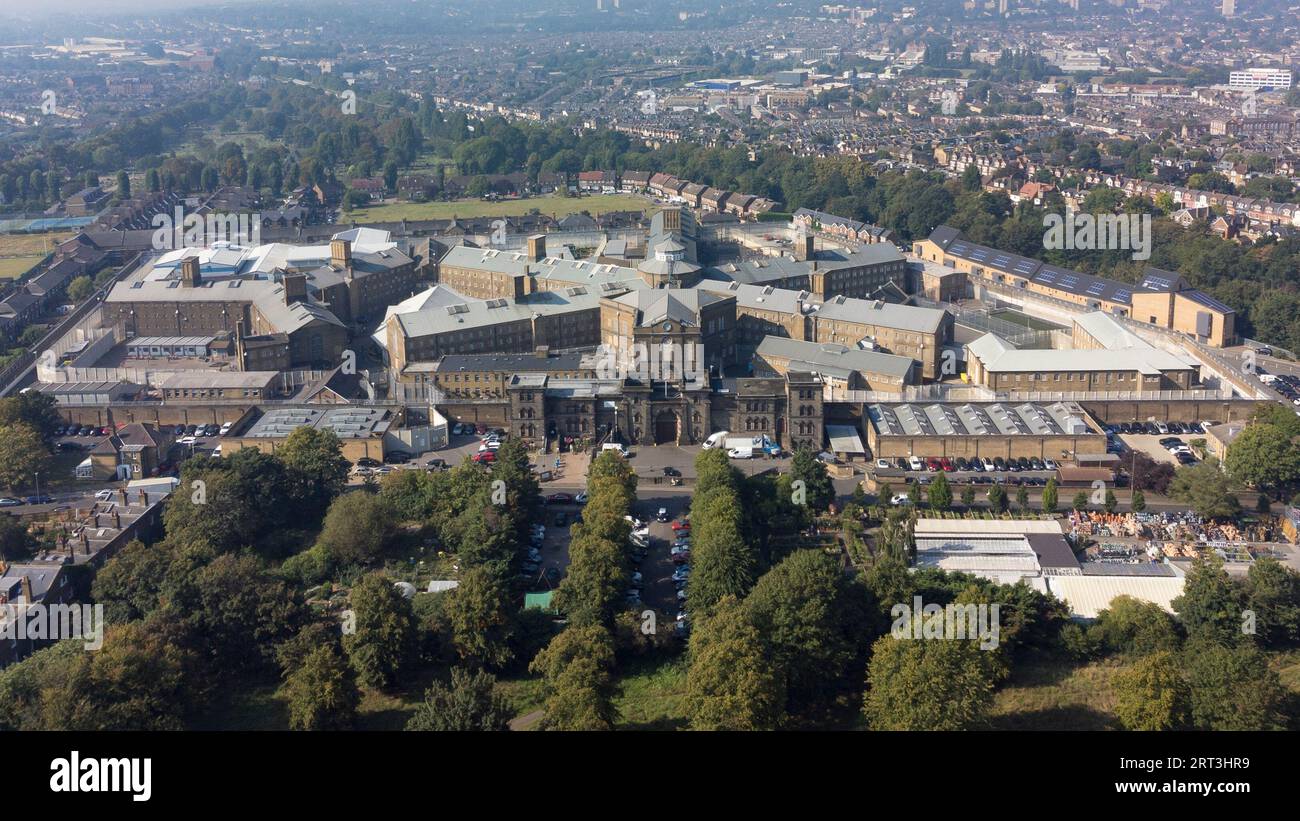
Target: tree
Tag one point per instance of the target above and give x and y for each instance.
(1049, 496)
(322, 692)
(576, 672)
(123, 185)
(940, 493)
(813, 619)
(1272, 593)
(1022, 498)
(357, 529)
(997, 499)
(1265, 457)
(1080, 501)
(1232, 688)
(482, 618)
(968, 497)
(1210, 607)
(23, 454)
(139, 680)
(1132, 626)
(1111, 502)
(16, 541)
(382, 643)
(920, 684)
(1139, 501)
(1204, 487)
(1151, 694)
(233, 612)
(80, 288)
(805, 466)
(317, 471)
(914, 494)
(469, 703)
(732, 683)
(40, 410)
(722, 563)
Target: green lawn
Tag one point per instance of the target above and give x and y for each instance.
(1053, 693)
(550, 204)
(13, 267)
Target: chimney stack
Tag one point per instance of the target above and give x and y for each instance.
(805, 248)
(295, 288)
(190, 276)
(341, 253)
(537, 247)
(27, 590)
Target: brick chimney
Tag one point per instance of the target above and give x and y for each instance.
(295, 288)
(341, 253)
(190, 276)
(537, 247)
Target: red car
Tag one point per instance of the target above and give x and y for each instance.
(945, 463)
(681, 525)
(484, 456)
(933, 464)
(559, 498)
(480, 428)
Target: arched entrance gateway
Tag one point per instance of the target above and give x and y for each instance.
(667, 428)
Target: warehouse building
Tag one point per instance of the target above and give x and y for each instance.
(362, 431)
(1029, 429)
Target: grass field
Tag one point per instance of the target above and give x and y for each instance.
(25, 245)
(13, 267)
(559, 206)
(1053, 693)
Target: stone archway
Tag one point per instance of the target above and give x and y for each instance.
(667, 428)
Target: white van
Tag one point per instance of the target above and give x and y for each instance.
(915, 463)
(622, 449)
(715, 439)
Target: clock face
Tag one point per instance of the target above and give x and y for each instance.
(668, 326)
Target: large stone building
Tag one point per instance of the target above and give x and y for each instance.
(285, 306)
(1129, 364)
(1160, 298)
(674, 332)
(905, 330)
(561, 319)
(788, 410)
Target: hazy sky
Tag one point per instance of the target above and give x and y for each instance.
(44, 8)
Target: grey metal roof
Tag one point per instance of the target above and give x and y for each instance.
(818, 355)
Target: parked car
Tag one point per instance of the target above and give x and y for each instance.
(662, 515)
(901, 499)
(681, 524)
(396, 457)
(883, 464)
(559, 499)
(580, 498)
(5, 501)
(484, 457)
(672, 471)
